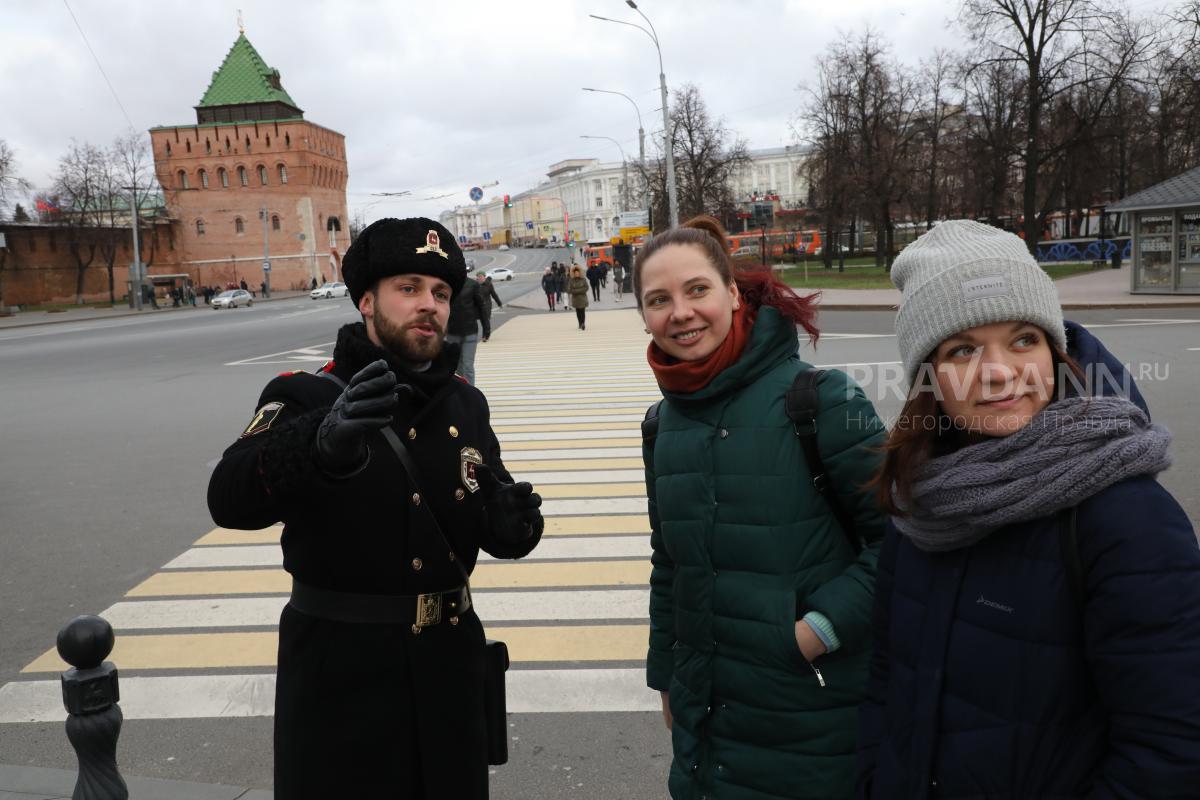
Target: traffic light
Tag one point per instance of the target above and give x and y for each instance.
(507, 202)
(570, 241)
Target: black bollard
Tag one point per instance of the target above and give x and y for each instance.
(90, 694)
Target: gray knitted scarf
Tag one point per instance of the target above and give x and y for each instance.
(1070, 451)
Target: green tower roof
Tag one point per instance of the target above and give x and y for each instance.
(245, 78)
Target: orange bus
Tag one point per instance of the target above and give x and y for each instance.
(779, 244)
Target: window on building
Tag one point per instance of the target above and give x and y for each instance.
(226, 144)
(599, 202)
(243, 177)
(334, 226)
(282, 173)
(262, 174)
(599, 225)
(268, 141)
(207, 147)
(274, 222)
(203, 179)
(199, 227)
(168, 148)
(224, 176)
(183, 180)
(247, 144)
(188, 145)
(287, 140)
(239, 226)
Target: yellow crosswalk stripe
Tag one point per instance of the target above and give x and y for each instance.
(205, 583)
(258, 649)
(599, 524)
(516, 466)
(592, 490)
(555, 427)
(566, 444)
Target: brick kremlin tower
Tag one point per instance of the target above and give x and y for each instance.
(251, 149)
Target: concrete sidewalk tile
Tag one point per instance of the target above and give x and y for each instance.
(40, 783)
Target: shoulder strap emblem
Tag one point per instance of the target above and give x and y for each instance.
(263, 419)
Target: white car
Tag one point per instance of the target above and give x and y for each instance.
(232, 299)
(500, 274)
(502, 247)
(336, 289)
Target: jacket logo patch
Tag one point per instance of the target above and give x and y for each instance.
(983, 601)
(263, 419)
(469, 457)
(980, 288)
(433, 244)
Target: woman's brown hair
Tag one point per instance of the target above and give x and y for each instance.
(758, 286)
(923, 431)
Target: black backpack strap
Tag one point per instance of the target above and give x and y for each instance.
(802, 403)
(650, 424)
(1068, 542)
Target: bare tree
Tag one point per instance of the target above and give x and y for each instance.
(938, 111)
(10, 183)
(824, 123)
(707, 154)
(1060, 47)
(84, 185)
(137, 184)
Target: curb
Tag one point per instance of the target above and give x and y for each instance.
(122, 314)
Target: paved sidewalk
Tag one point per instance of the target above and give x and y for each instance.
(38, 783)
(23, 319)
(1102, 288)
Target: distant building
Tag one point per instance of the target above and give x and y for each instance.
(251, 149)
(592, 194)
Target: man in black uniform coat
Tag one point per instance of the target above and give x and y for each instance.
(374, 697)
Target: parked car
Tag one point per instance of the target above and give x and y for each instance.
(232, 299)
(502, 247)
(328, 290)
(500, 274)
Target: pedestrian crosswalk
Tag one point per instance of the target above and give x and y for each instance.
(198, 638)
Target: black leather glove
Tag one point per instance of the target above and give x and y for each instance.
(367, 404)
(512, 507)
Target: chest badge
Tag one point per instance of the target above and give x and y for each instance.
(263, 419)
(469, 458)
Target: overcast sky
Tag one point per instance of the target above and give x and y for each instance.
(433, 97)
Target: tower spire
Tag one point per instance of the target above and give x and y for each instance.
(241, 24)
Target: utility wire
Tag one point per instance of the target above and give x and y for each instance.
(99, 66)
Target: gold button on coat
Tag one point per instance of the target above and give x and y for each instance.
(416, 498)
(412, 433)
(417, 564)
(454, 431)
(459, 494)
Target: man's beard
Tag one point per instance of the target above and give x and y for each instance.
(405, 345)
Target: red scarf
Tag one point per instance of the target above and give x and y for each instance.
(685, 377)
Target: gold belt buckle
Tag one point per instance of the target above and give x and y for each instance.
(429, 609)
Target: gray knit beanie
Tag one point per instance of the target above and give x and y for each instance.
(962, 274)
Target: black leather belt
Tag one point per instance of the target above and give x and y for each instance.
(419, 611)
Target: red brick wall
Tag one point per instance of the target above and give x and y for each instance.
(38, 266)
(315, 161)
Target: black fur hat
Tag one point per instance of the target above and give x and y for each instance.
(414, 246)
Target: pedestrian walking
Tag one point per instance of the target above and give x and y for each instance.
(468, 314)
(577, 288)
(764, 540)
(603, 276)
(593, 278)
(618, 281)
(1037, 615)
(561, 284)
(388, 480)
(550, 286)
(313, 285)
(488, 290)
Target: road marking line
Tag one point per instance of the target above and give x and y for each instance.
(239, 696)
(492, 607)
(494, 575)
(250, 649)
(271, 555)
(509, 420)
(551, 436)
(567, 444)
(598, 490)
(522, 466)
(593, 476)
(503, 431)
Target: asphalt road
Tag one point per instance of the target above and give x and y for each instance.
(110, 429)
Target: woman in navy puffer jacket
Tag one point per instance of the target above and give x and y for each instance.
(1037, 617)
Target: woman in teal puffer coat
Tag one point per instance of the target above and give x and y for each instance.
(759, 605)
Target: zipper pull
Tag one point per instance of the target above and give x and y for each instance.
(820, 677)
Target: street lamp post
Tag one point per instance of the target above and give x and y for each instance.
(641, 130)
(624, 168)
(668, 143)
